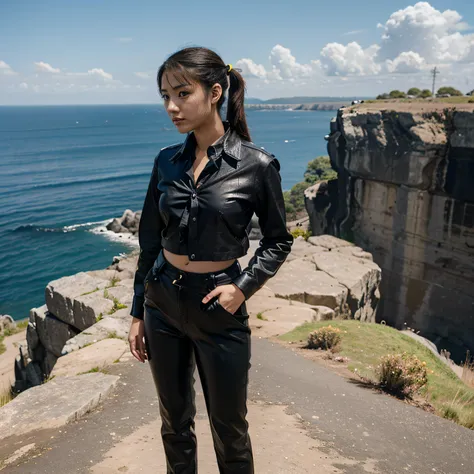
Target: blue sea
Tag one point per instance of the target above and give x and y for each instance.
(67, 170)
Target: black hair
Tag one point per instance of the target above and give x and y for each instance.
(207, 67)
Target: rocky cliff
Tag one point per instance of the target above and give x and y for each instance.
(405, 193)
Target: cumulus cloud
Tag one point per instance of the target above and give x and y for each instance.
(6, 69)
(45, 67)
(95, 72)
(142, 75)
(406, 63)
(251, 69)
(422, 29)
(340, 60)
(285, 66)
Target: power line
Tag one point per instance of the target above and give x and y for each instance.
(434, 73)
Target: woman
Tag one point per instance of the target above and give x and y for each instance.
(189, 290)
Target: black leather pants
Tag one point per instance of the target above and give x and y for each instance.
(182, 332)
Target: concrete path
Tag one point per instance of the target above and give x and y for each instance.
(304, 419)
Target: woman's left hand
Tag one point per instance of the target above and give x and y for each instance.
(230, 297)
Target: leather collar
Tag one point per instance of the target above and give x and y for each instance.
(229, 143)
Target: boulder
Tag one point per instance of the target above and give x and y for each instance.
(51, 405)
(6, 322)
(77, 299)
(98, 355)
(52, 332)
(114, 226)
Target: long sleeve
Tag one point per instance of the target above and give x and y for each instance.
(276, 242)
(149, 238)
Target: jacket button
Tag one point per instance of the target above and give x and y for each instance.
(194, 195)
(194, 219)
(193, 257)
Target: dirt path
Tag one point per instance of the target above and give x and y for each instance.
(7, 359)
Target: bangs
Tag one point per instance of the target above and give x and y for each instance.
(180, 73)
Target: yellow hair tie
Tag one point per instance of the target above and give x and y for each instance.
(229, 68)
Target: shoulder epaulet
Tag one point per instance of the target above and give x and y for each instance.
(255, 147)
(176, 145)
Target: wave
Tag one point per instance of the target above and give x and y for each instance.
(63, 229)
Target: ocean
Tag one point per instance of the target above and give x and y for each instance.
(65, 171)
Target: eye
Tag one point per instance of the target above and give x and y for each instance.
(183, 93)
(165, 97)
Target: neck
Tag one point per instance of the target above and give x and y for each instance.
(209, 132)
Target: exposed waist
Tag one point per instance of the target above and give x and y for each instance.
(183, 262)
(207, 279)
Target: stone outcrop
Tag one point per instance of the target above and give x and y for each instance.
(127, 223)
(80, 310)
(332, 273)
(405, 193)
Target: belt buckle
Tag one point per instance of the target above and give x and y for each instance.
(178, 279)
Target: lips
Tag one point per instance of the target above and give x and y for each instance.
(177, 120)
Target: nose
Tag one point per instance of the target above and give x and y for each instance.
(172, 107)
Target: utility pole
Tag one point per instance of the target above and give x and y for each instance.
(434, 73)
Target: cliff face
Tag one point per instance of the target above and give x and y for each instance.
(405, 193)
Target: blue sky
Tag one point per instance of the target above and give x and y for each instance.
(63, 52)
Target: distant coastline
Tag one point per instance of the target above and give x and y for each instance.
(305, 107)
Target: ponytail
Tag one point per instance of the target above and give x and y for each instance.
(235, 105)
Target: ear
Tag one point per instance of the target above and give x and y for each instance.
(216, 93)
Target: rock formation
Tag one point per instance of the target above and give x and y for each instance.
(405, 193)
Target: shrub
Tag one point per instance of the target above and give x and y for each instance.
(383, 97)
(414, 91)
(402, 374)
(396, 94)
(300, 232)
(450, 91)
(425, 93)
(325, 338)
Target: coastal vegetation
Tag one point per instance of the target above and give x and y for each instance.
(416, 93)
(318, 169)
(370, 350)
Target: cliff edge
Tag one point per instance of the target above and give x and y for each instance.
(405, 193)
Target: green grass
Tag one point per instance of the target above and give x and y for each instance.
(95, 369)
(5, 397)
(117, 305)
(365, 343)
(20, 326)
(446, 100)
(89, 292)
(261, 317)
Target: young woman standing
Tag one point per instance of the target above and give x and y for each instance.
(189, 293)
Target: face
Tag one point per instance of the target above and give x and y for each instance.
(187, 103)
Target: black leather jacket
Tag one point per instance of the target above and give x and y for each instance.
(208, 220)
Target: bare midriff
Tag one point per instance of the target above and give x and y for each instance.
(205, 266)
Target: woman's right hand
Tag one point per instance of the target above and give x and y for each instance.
(136, 340)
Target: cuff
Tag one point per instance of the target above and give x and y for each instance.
(247, 284)
(138, 309)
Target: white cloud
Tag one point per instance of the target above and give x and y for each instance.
(422, 29)
(6, 69)
(340, 60)
(23, 85)
(285, 66)
(97, 72)
(45, 67)
(125, 40)
(251, 69)
(142, 75)
(101, 73)
(406, 63)
(353, 32)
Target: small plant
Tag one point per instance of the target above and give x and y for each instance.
(261, 317)
(117, 305)
(112, 335)
(299, 232)
(450, 414)
(6, 397)
(98, 318)
(113, 282)
(89, 292)
(325, 338)
(402, 374)
(106, 294)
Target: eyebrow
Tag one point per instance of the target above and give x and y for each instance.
(179, 86)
